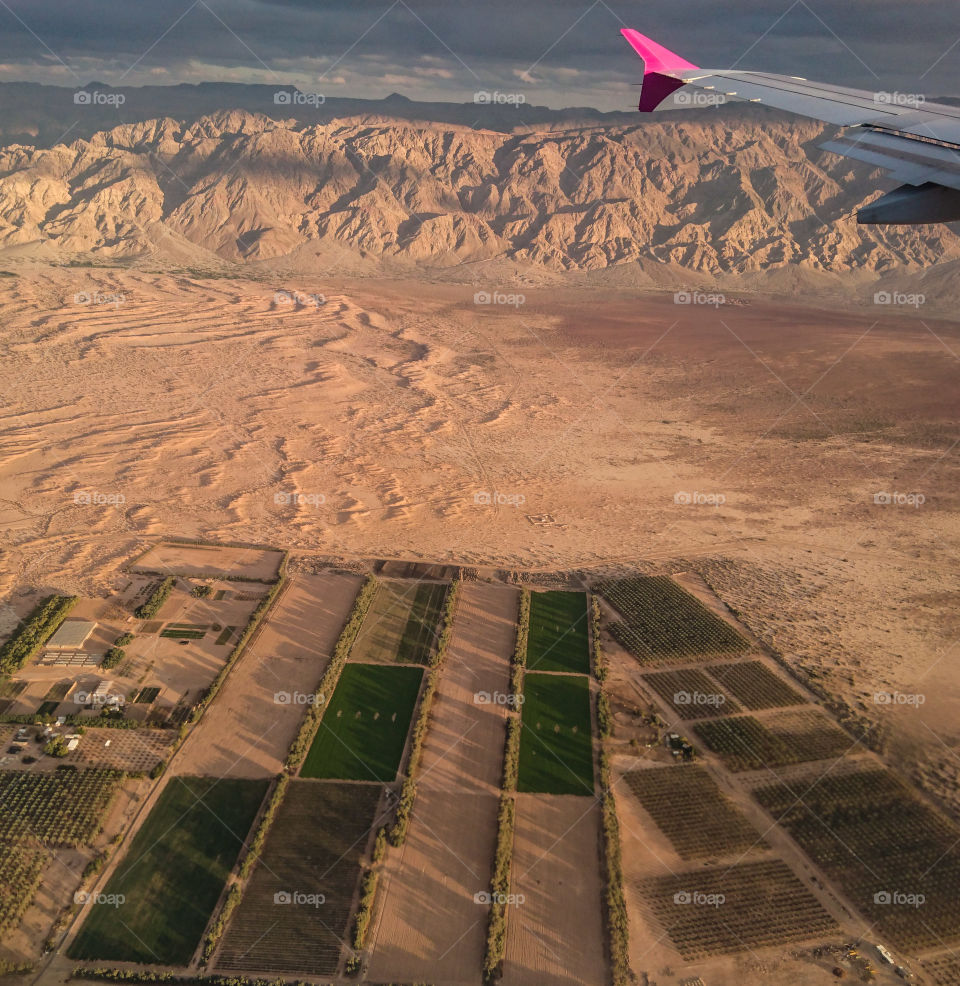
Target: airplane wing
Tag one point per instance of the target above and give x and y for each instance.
(917, 141)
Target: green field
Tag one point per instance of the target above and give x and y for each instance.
(172, 874)
(556, 750)
(558, 632)
(364, 728)
(402, 624)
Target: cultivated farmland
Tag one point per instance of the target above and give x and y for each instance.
(401, 624)
(62, 808)
(172, 873)
(364, 726)
(314, 849)
(755, 686)
(555, 928)
(691, 693)
(662, 622)
(556, 749)
(430, 927)
(247, 731)
(746, 743)
(558, 638)
(21, 868)
(728, 909)
(690, 810)
(896, 858)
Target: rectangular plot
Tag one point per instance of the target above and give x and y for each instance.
(746, 743)
(558, 639)
(62, 808)
(729, 909)
(315, 848)
(364, 727)
(691, 694)
(691, 811)
(172, 873)
(556, 748)
(401, 625)
(663, 622)
(755, 686)
(555, 932)
(896, 858)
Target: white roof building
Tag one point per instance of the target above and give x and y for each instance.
(71, 635)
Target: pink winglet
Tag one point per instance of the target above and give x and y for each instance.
(656, 57)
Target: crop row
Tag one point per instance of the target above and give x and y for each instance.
(692, 812)
(662, 622)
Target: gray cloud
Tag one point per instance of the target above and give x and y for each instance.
(559, 52)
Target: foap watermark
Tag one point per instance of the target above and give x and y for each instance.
(299, 298)
(498, 698)
(910, 300)
(899, 698)
(698, 499)
(294, 97)
(91, 498)
(298, 898)
(698, 698)
(495, 897)
(699, 898)
(497, 98)
(898, 898)
(899, 499)
(299, 499)
(499, 298)
(484, 498)
(298, 698)
(93, 97)
(82, 897)
(99, 298)
(98, 698)
(698, 97)
(896, 98)
(712, 298)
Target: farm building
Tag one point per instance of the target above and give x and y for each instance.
(71, 635)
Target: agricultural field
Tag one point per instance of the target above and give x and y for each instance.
(663, 622)
(364, 727)
(247, 731)
(429, 927)
(725, 909)
(691, 693)
(896, 858)
(755, 686)
(944, 970)
(131, 750)
(692, 812)
(558, 639)
(555, 933)
(61, 808)
(172, 873)
(746, 743)
(21, 870)
(315, 846)
(556, 747)
(402, 623)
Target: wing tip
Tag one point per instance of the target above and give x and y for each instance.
(655, 56)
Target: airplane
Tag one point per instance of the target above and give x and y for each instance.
(917, 141)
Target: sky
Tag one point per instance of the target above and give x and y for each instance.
(549, 52)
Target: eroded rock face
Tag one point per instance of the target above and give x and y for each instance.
(709, 196)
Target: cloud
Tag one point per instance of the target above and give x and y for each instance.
(564, 51)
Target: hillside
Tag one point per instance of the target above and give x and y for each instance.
(735, 192)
